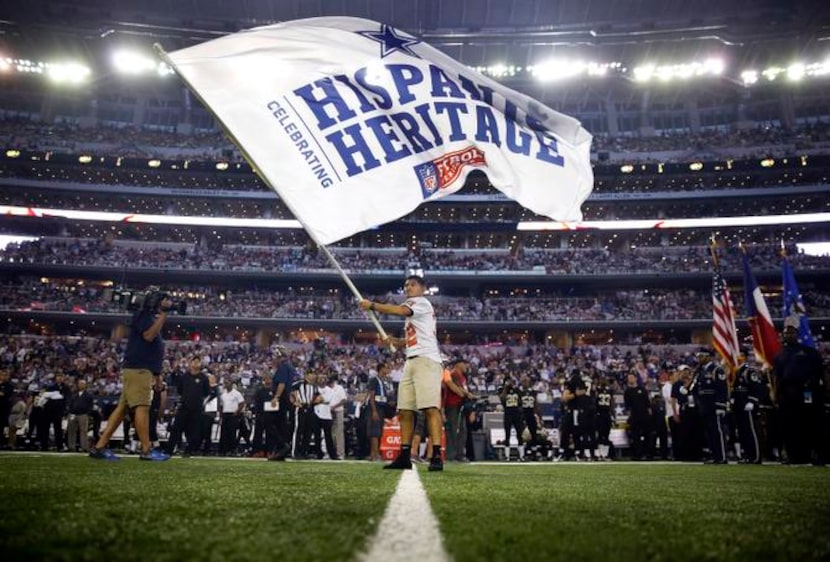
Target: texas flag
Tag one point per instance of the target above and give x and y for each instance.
(765, 341)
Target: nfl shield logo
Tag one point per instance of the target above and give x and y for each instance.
(428, 176)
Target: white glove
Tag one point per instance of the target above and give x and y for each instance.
(749, 407)
(683, 390)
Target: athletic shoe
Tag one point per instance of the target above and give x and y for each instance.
(418, 460)
(399, 464)
(436, 465)
(154, 455)
(103, 455)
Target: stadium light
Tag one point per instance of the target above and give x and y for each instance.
(72, 73)
(796, 72)
(684, 71)
(749, 77)
(560, 69)
(132, 62)
(499, 70)
(5, 65)
(645, 224)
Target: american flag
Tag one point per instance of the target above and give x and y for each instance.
(724, 333)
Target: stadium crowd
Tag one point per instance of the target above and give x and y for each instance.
(45, 373)
(670, 259)
(605, 305)
(129, 141)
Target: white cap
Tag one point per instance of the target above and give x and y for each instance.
(792, 321)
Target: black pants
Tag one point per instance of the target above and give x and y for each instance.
(324, 428)
(50, 418)
(661, 435)
(674, 431)
(4, 422)
(566, 432)
(154, 420)
(691, 434)
(277, 435)
(639, 437)
(747, 427)
(585, 432)
(513, 419)
(529, 416)
(259, 433)
(206, 433)
(188, 422)
(715, 432)
(228, 439)
(306, 427)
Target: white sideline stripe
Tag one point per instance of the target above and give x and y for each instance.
(409, 529)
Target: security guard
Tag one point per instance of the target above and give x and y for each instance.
(712, 396)
(747, 392)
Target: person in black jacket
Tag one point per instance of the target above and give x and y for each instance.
(638, 405)
(192, 388)
(799, 385)
(54, 411)
(80, 410)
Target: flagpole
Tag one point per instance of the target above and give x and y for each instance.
(713, 251)
(169, 62)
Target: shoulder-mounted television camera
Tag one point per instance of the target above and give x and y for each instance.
(149, 300)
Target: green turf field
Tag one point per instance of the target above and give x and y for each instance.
(73, 508)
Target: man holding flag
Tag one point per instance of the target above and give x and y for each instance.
(355, 123)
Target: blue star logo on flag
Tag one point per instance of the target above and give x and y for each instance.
(390, 40)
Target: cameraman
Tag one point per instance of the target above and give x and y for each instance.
(142, 362)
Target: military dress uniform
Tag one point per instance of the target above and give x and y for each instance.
(747, 392)
(712, 396)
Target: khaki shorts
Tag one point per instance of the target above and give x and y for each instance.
(138, 387)
(420, 385)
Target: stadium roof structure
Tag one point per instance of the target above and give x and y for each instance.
(476, 32)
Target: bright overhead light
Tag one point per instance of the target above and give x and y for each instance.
(749, 77)
(795, 72)
(685, 71)
(68, 72)
(131, 62)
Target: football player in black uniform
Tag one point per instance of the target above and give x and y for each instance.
(511, 400)
(604, 419)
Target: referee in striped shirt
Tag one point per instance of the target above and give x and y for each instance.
(306, 396)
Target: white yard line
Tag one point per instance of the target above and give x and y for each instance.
(409, 529)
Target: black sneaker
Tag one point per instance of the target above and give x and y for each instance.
(399, 464)
(436, 465)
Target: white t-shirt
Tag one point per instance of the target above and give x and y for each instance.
(338, 394)
(667, 397)
(323, 409)
(419, 330)
(231, 401)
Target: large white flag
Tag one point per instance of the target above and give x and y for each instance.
(355, 124)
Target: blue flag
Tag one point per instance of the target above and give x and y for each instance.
(794, 305)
